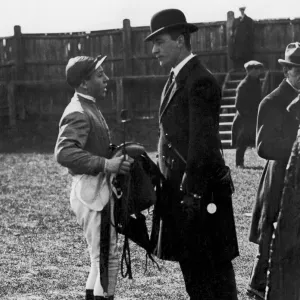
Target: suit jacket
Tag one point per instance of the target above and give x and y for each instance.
(189, 120)
(82, 145)
(83, 141)
(248, 97)
(189, 123)
(276, 133)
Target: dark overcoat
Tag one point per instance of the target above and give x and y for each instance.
(242, 39)
(284, 279)
(276, 132)
(248, 97)
(189, 123)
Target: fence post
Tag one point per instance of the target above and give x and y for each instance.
(127, 48)
(120, 97)
(19, 66)
(11, 104)
(292, 30)
(229, 23)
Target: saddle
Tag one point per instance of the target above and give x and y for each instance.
(134, 193)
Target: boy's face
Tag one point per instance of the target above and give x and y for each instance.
(96, 85)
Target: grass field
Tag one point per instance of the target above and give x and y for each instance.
(43, 253)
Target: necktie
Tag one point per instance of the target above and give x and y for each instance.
(167, 91)
(169, 82)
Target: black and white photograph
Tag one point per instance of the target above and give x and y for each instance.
(149, 150)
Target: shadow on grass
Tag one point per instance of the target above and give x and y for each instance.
(253, 167)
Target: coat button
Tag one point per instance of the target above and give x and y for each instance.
(211, 208)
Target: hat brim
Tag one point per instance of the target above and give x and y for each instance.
(258, 65)
(191, 28)
(96, 64)
(99, 63)
(287, 63)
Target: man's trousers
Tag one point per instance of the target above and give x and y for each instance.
(204, 281)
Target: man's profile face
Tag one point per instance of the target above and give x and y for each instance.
(293, 76)
(166, 50)
(96, 85)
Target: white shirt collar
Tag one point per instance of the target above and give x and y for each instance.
(298, 91)
(181, 64)
(86, 96)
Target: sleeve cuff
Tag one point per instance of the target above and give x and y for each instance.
(100, 165)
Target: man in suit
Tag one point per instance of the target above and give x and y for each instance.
(275, 134)
(83, 146)
(242, 39)
(194, 227)
(248, 97)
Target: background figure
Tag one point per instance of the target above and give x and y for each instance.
(248, 97)
(284, 276)
(242, 39)
(190, 159)
(276, 133)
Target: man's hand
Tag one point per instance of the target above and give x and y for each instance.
(120, 165)
(189, 207)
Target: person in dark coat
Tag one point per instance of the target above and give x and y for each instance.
(275, 135)
(283, 280)
(248, 97)
(193, 223)
(242, 39)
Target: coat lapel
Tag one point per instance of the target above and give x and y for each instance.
(179, 83)
(289, 92)
(168, 97)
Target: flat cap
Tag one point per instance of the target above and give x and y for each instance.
(253, 64)
(81, 67)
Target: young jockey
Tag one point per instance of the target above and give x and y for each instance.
(83, 146)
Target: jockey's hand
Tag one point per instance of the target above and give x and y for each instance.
(119, 165)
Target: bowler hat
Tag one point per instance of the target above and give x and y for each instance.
(292, 55)
(169, 19)
(81, 67)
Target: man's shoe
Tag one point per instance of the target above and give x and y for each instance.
(255, 293)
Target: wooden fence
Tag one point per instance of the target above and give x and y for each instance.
(32, 66)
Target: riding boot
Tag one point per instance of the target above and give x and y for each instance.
(89, 294)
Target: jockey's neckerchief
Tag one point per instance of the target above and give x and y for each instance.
(104, 246)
